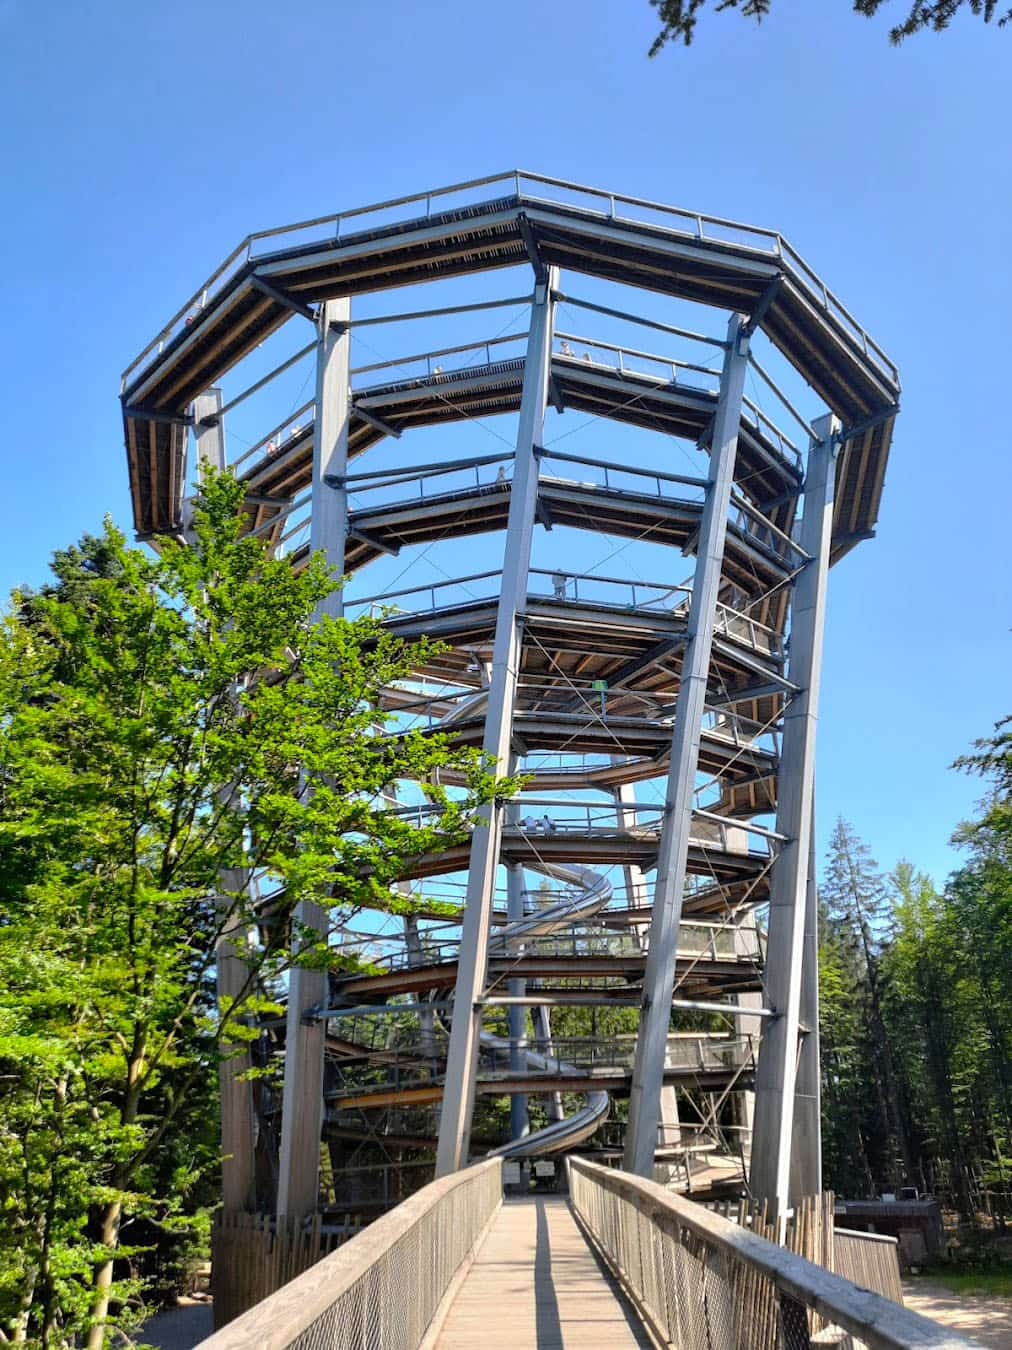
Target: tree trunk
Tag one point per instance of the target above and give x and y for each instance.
(103, 1276)
(114, 1210)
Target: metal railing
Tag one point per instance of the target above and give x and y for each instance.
(701, 1281)
(687, 1052)
(381, 1290)
(696, 941)
(468, 349)
(626, 360)
(707, 829)
(524, 187)
(614, 592)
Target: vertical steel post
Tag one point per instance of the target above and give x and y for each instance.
(746, 947)
(238, 1119)
(659, 978)
(777, 1076)
(302, 1098)
(669, 1133)
(416, 957)
(520, 1120)
(624, 797)
(806, 1155)
(209, 437)
(462, 1057)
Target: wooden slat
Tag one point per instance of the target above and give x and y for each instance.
(536, 1283)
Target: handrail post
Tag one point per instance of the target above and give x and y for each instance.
(302, 1098)
(659, 977)
(462, 1054)
(784, 1123)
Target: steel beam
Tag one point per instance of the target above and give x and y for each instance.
(777, 1075)
(283, 298)
(658, 984)
(462, 1058)
(302, 1099)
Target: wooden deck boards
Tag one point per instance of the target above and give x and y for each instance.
(536, 1283)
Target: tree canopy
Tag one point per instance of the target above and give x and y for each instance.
(916, 1012)
(679, 17)
(186, 752)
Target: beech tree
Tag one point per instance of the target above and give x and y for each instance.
(679, 17)
(166, 722)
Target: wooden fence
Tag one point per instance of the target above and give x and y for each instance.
(868, 1259)
(253, 1255)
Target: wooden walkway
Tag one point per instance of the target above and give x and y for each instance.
(536, 1283)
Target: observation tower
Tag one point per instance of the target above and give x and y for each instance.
(606, 451)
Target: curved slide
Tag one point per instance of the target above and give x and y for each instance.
(592, 895)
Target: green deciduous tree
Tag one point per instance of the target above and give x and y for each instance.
(166, 723)
(679, 17)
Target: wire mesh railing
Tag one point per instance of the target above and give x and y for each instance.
(381, 1290)
(701, 1281)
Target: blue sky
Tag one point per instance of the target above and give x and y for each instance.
(143, 141)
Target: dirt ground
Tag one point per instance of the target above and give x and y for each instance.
(180, 1328)
(985, 1317)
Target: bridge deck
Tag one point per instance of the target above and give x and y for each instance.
(536, 1282)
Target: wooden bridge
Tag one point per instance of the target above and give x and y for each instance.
(620, 1263)
(548, 1287)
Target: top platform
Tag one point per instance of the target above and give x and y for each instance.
(504, 221)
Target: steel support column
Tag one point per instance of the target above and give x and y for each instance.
(669, 1133)
(416, 957)
(806, 1155)
(520, 1121)
(462, 1058)
(209, 437)
(746, 947)
(302, 1099)
(238, 1119)
(777, 1075)
(659, 977)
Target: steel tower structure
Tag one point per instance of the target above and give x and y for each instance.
(705, 686)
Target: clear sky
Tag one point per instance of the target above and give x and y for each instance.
(141, 141)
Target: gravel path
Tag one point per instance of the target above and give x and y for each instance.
(180, 1328)
(986, 1317)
